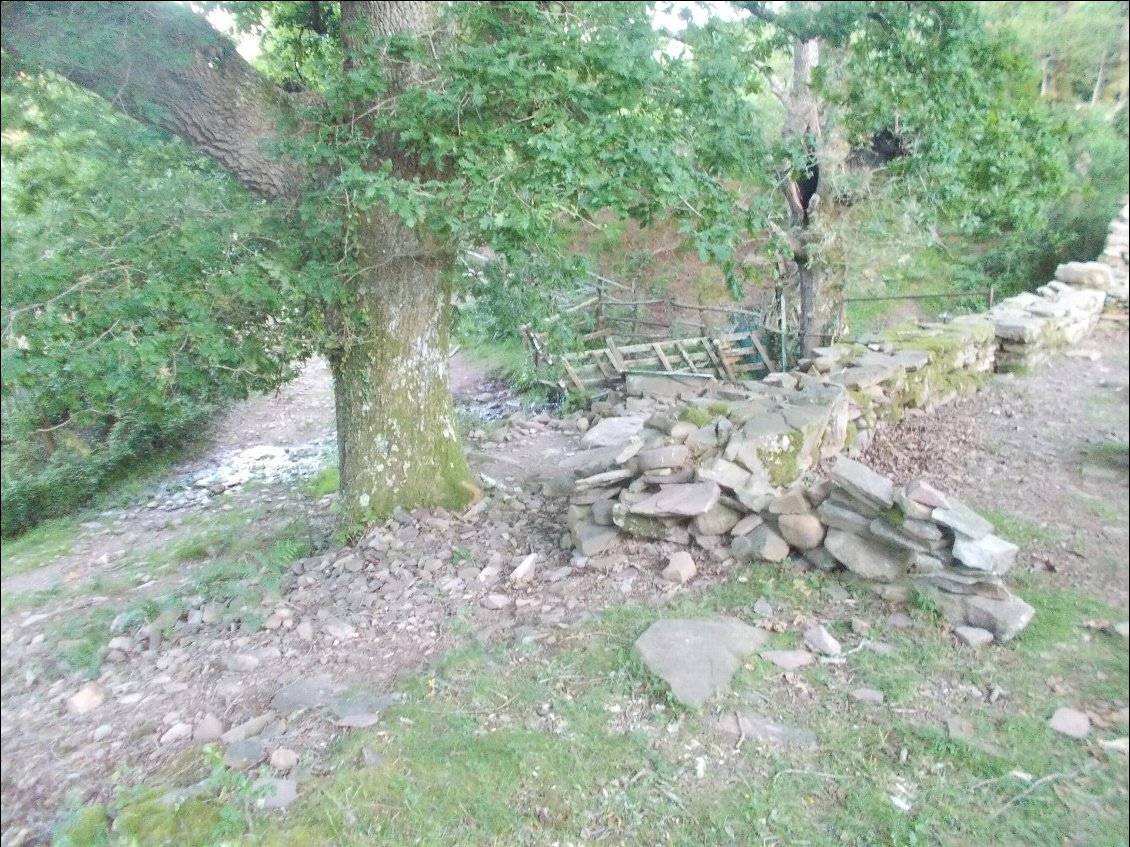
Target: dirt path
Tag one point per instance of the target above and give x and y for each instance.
(1045, 455)
(334, 637)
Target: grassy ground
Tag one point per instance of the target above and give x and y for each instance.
(569, 740)
(230, 558)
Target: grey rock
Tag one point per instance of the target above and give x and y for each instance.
(727, 474)
(788, 660)
(361, 702)
(274, 793)
(763, 543)
(961, 518)
(1004, 618)
(990, 553)
(208, 729)
(881, 529)
(761, 730)
(804, 532)
(834, 515)
(820, 640)
(613, 431)
(717, 521)
(868, 695)
(497, 601)
(862, 482)
(305, 630)
(973, 636)
(239, 662)
(604, 480)
(86, 699)
(306, 693)
(283, 759)
(1070, 722)
(911, 509)
(680, 568)
(248, 729)
(865, 557)
(697, 658)
(589, 462)
(746, 525)
(821, 559)
(592, 538)
(602, 512)
(339, 629)
(244, 754)
(763, 608)
(924, 494)
(792, 502)
(680, 500)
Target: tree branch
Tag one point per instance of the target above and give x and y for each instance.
(165, 66)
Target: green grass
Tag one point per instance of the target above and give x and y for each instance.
(1018, 530)
(326, 481)
(38, 546)
(575, 742)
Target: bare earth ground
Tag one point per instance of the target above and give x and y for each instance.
(1035, 450)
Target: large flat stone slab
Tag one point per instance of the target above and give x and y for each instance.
(870, 559)
(757, 729)
(613, 431)
(696, 498)
(862, 482)
(990, 554)
(698, 658)
(960, 518)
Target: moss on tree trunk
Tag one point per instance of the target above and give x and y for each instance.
(397, 439)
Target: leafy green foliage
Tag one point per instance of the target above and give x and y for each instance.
(962, 99)
(529, 116)
(141, 288)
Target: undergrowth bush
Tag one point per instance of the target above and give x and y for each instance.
(1075, 228)
(142, 290)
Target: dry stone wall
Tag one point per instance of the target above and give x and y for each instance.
(732, 467)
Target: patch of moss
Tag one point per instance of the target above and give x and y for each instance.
(719, 409)
(693, 414)
(852, 434)
(88, 827)
(783, 463)
(155, 821)
(646, 527)
(895, 516)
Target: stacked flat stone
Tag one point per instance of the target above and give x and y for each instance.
(915, 537)
(697, 469)
(1032, 327)
(1115, 254)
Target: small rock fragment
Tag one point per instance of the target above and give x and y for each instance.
(1070, 722)
(86, 699)
(819, 639)
(680, 568)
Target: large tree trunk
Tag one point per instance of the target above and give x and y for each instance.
(166, 66)
(397, 439)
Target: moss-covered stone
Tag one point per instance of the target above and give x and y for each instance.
(782, 459)
(693, 414)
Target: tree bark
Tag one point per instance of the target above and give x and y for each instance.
(397, 439)
(164, 65)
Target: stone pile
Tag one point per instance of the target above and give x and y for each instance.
(726, 478)
(909, 367)
(1031, 328)
(1116, 254)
